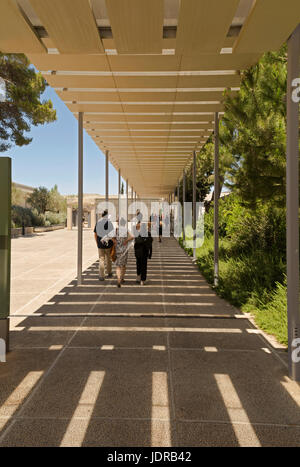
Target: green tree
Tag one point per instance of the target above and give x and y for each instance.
(40, 199)
(122, 188)
(23, 106)
(255, 132)
(57, 202)
(205, 171)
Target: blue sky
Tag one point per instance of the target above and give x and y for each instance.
(51, 158)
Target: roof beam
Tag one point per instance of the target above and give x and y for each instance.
(137, 25)
(268, 26)
(70, 24)
(16, 34)
(203, 25)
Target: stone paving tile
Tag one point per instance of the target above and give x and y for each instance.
(227, 435)
(126, 390)
(233, 386)
(20, 374)
(229, 334)
(128, 337)
(98, 433)
(24, 335)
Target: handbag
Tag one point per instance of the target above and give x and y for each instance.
(113, 253)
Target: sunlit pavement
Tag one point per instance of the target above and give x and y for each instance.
(166, 364)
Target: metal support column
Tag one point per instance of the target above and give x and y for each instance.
(292, 177)
(80, 198)
(183, 202)
(119, 192)
(216, 203)
(106, 175)
(194, 205)
(127, 189)
(5, 225)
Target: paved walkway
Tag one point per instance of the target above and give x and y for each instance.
(167, 364)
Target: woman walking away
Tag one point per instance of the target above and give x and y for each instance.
(104, 232)
(143, 251)
(121, 250)
(160, 224)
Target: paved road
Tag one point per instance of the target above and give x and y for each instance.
(167, 364)
(42, 264)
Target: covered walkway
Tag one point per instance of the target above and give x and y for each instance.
(167, 364)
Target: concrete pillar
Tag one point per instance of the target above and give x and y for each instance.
(69, 217)
(194, 204)
(292, 177)
(216, 203)
(127, 188)
(106, 175)
(80, 198)
(119, 191)
(183, 201)
(5, 241)
(93, 217)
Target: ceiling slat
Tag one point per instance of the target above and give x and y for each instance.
(70, 24)
(16, 34)
(150, 118)
(137, 25)
(138, 82)
(145, 108)
(141, 96)
(268, 26)
(203, 25)
(144, 63)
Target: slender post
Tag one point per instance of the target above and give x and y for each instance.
(5, 255)
(194, 205)
(183, 202)
(106, 175)
(127, 188)
(119, 191)
(80, 197)
(292, 177)
(216, 203)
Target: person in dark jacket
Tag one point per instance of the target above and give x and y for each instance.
(143, 251)
(103, 233)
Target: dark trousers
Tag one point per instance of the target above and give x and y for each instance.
(141, 267)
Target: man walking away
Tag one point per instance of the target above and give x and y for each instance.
(103, 233)
(143, 251)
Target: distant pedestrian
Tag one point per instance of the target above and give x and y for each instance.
(143, 251)
(103, 233)
(160, 224)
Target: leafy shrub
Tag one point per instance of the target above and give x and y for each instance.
(270, 312)
(55, 218)
(252, 261)
(24, 216)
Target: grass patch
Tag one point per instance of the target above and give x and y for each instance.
(271, 316)
(252, 281)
